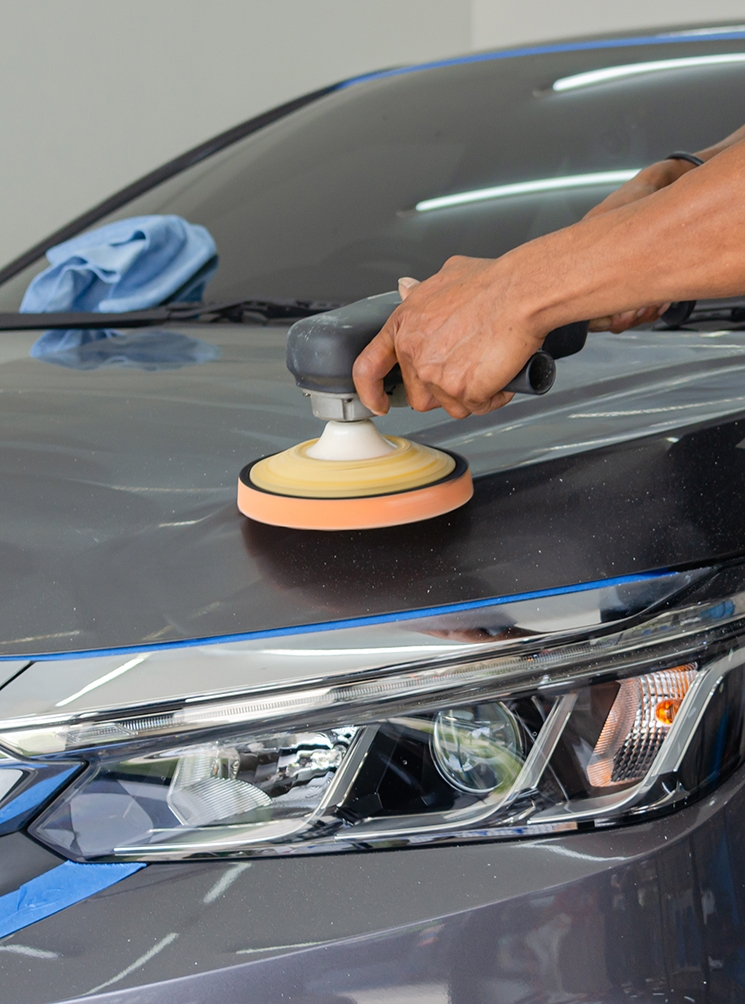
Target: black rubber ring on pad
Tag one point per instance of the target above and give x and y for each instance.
(461, 466)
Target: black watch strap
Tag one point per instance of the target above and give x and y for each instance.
(683, 155)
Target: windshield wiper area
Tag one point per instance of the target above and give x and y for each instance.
(256, 311)
(728, 312)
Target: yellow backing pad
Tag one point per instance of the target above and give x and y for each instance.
(294, 473)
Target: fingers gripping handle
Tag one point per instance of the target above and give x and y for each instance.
(321, 350)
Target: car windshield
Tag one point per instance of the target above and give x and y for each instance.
(337, 200)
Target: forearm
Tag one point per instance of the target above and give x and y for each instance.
(682, 242)
(463, 334)
(661, 174)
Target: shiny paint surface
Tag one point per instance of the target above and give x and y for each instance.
(118, 489)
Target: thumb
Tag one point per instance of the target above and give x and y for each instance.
(406, 285)
(371, 366)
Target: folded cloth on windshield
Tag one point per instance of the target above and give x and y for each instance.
(132, 264)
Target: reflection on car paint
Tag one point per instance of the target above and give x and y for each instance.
(152, 349)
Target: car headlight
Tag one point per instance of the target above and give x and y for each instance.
(590, 734)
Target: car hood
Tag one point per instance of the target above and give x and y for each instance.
(118, 480)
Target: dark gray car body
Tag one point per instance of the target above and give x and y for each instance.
(120, 534)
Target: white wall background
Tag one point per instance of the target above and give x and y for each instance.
(97, 92)
(507, 22)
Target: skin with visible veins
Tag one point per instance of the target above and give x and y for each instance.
(674, 232)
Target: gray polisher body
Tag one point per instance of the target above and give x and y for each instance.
(322, 349)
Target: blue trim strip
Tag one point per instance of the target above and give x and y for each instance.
(539, 50)
(352, 622)
(57, 889)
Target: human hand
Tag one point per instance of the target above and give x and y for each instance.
(617, 323)
(455, 338)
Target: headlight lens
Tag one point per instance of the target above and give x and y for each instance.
(590, 734)
(477, 749)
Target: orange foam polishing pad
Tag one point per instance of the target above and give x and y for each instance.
(413, 483)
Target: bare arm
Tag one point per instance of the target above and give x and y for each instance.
(659, 175)
(648, 181)
(462, 335)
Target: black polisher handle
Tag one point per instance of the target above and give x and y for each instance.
(321, 349)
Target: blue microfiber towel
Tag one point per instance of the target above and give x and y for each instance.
(128, 265)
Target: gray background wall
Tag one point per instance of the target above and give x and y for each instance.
(97, 92)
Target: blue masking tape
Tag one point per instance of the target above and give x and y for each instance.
(57, 889)
(667, 38)
(35, 795)
(351, 622)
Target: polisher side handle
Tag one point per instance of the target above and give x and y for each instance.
(538, 374)
(566, 340)
(536, 377)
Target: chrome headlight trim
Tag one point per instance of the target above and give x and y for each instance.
(61, 688)
(531, 664)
